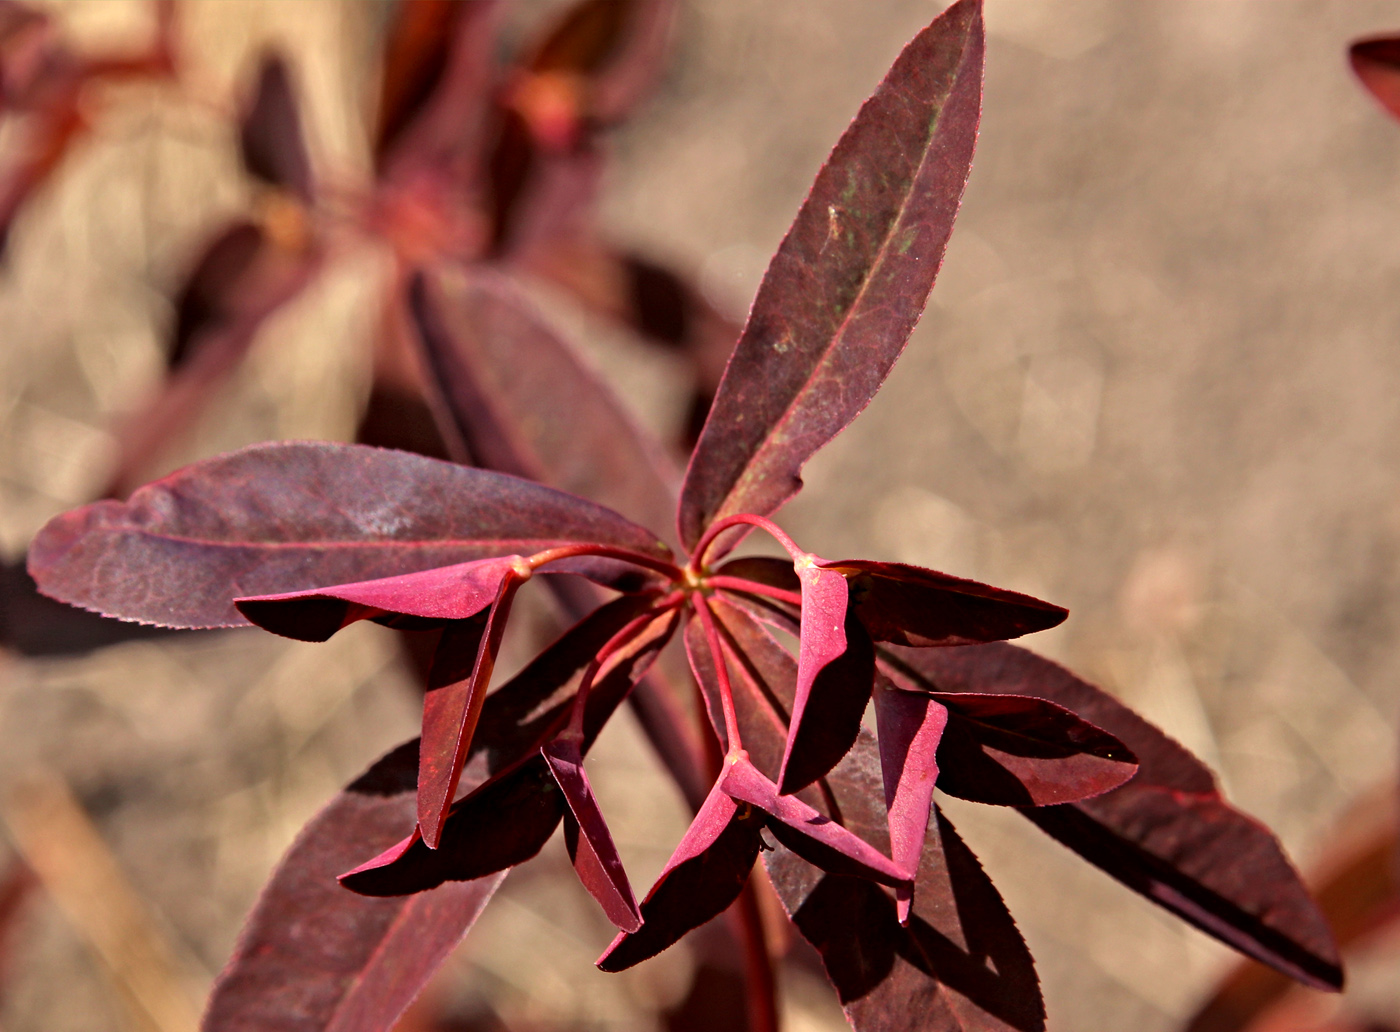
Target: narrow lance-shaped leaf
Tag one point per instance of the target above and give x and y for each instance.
(842, 294)
(287, 517)
(909, 725)
(270, 136)
(1167, 833)
(316, 958)
(704, 875)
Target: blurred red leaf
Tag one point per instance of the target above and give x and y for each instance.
(1376, 63)
(270, 136)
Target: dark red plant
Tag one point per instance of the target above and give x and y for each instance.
(306, 538)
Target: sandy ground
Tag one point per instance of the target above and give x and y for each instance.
(1156, 383)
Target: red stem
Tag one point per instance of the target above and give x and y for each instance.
(667, 569)
(761, 997)
(726, 693)
(755, 588)
(763, 523)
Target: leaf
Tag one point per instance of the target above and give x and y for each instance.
(286, 517)
(959, 965)
(270, 134)
(810, 834)
(203, 301)
(313, 957)
(593, 853)
(704, 875)
(1167, 833)
(835, 673)
(909, 725)
(909, 605)
(442, 594)
(506, 818)
(457, 685)
(848, 282)
(1376, 63)
(521, 402)
(1016, 750)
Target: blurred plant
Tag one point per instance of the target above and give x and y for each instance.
(304, 539)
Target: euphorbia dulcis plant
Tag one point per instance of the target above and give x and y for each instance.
(304, 539)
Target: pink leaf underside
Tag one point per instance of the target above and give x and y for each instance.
(1167, 833)
(508, 802)
(1377, 64)
(819, 839)
(960, 959)
(457, 683)
(313, 957)
(446, 593)
(822, 640)
(909, 605)
(1017, 750)
(594, 855)
(270, 136)
(705, 874)
(842, 294)
(909, 725)
(518, 399)
(294, 516)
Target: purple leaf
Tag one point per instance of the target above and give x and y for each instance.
(441, 594)
(270, 136)
(1376, 63)
(841, 296)
(705, 874)
(1167, 833)
(909, 726)
(830, 698)
(960, 964)
(506, 818)
(204, 302)
(457, 684)
(811, 835)
(287, 517)
(594, 855)
(909, 605)
(315, 958)
(1016, 750)
(519, 400)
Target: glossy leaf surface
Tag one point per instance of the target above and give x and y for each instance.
(704, 875)
(287, 517)
(1016, 750)
(314, 957)
(1167, 833)
(849, 280)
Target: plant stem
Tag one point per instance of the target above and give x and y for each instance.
(726, 694)
(668, 570)
(750, 587)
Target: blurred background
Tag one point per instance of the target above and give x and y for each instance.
(1157, 383)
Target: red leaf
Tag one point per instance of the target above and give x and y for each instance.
(909, 725)
(520, 401)
(1167, 833)
(457, 684)
(440, 594)
(818, 839)
(959, 965)
(1376, 63)
(1016, 750)
(506, 818)
(316, 958)
(270, 136)
(594, 855)
(831, 697)
(848, 282)
(705, 874)
(909, 605)
(286, 517)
